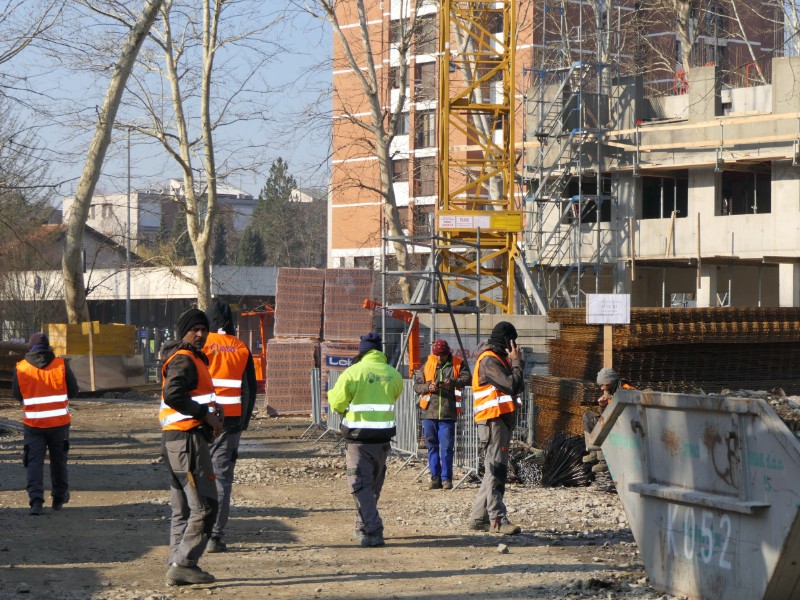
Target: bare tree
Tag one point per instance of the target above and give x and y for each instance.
(361, 54)
(74, 290)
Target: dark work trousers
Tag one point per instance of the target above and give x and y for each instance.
(495, 437)
(38, 442)
(440, 440)
(194, 495)
(590, 419)
(366, 472)
(224, 452)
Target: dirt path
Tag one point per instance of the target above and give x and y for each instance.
(290, 528)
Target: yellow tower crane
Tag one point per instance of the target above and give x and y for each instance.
(476, 202)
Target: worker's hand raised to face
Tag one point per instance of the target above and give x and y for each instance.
(513, 350)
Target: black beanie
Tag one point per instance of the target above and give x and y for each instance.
(501, 333)
(222, 318)
(192, 317)
(38, 341)
(371, 341)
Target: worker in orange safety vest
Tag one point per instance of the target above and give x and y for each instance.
(189, 421)
(44, 384)
(233, 373)
(439, 385)
(496, 381)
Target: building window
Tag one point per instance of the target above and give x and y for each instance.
(397, 30)
(364, 262)
(403, 124)
(495, 24)
(425, 176)
(425, 81)
(425, 129)
(400, 171)
(661, 196)
(421, 221)
(426, 39)
(746, 193)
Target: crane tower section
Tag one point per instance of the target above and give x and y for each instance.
(476, 203)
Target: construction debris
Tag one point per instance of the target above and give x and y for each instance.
(563, 462)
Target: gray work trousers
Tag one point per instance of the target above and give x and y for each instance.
(194, 495)
(495, 437)
(38, 441)
(224, 452)
(366, 472)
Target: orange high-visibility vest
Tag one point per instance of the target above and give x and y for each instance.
(44, 394)
(227, 360)
(170, 418)
(488, 401)
(429, 371)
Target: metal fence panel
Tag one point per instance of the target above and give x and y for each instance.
(316, 403)
(406, 441)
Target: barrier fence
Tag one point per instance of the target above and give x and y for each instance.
(409, 440)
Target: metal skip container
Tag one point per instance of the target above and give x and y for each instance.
(711, 488)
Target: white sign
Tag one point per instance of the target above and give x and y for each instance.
(608, 309)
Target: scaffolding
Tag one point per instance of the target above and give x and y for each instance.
(569, 107)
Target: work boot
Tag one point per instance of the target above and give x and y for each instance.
(178, 575)
(37, 508)
(436, 484)
(479, 525)
(60, 501)
(215, 545)
(503, 526)
(600, 467)
(447, 484)
(590, 458)
(370, 540)
(359, 535)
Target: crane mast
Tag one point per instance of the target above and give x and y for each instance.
(476, 202)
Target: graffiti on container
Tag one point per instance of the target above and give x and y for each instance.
(758, 460)
(707, 538)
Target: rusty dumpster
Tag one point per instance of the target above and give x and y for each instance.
(711, 488)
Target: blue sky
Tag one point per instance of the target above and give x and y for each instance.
(287, 85)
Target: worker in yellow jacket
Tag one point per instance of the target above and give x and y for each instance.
(365, 394)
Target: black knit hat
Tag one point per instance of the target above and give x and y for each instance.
(222, 318)
(501, 333)
(192, 317)
(371, 341)
(38, 341)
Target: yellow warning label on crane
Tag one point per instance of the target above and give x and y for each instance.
(471, 220)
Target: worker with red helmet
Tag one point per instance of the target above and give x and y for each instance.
(439, 385)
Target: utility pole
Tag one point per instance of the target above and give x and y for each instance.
(128, 241)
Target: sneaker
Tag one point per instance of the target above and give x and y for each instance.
(479, 525)
(436, 484)
(37, 508)
(503, 526)
(178, 575)
(58, 503)
(215, 545)
(370, 540)
(359, 535)
(447, 485)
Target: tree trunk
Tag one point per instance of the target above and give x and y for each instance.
(72, 265)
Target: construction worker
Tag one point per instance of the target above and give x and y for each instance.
(43, 385)
(496, 381)
(234, 375)
(439, 384)
(189, 421)
(366, 393)
(609, 382)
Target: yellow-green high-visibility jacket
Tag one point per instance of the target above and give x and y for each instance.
(366, 393)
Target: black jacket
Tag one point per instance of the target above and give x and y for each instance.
(511, 381)
(181, 378)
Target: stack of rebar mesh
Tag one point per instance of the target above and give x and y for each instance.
(679, 350)
(560, 404)
(309, 302)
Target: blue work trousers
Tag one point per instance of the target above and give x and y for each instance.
(440, 438)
